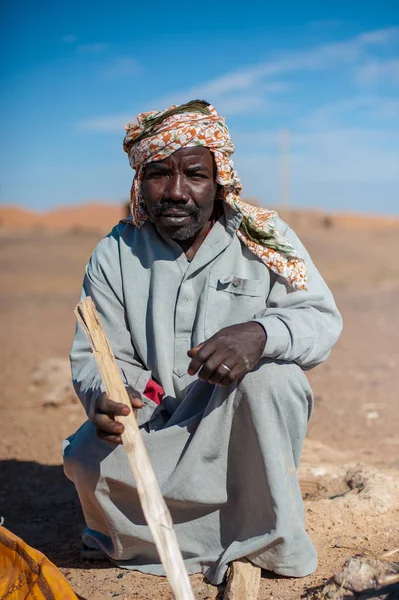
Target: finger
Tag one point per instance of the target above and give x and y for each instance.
(107, 425)
(111, 408)
(194, 351)
(200, 357)
(220, 373)
(229, 378)
(107, 437)
(216, 377)
(212, 371)
(134, 397)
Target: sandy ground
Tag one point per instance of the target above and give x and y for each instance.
(350, 464)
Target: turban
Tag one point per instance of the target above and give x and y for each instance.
(156, 135)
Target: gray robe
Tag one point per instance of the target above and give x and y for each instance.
(225, 457)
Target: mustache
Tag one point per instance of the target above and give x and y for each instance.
(166, 206)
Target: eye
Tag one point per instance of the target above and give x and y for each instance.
(156, 174)
(196, 175)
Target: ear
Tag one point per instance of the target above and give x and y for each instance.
(219, 193)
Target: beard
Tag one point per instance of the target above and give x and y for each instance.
(198, 218)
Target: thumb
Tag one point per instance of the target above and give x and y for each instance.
(134, 397)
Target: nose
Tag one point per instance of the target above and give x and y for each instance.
(176, 190)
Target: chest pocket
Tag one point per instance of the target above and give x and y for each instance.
(232, 300)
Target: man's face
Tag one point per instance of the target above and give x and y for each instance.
(179, 192)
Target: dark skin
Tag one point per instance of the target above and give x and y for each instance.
(180, 193)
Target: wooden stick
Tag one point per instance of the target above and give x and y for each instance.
(154, 507)
(243, 581)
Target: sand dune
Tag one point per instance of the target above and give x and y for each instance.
(100, 216)
(93, 215)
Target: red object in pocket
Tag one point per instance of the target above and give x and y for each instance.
(154, 391)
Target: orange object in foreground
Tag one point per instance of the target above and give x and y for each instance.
(26, 573)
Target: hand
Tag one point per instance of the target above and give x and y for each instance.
(238, 347)
(107, 428)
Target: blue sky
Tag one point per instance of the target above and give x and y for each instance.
(327, 72)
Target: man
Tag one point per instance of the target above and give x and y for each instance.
(213, 309)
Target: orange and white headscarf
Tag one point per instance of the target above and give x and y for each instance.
(156, 135)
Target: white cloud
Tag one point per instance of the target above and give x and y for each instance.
(387, 108)
(226, 106)
(362, 108)
(123, 66)
(252, 88)
(374, 71)
(240, 103)
(321, 57)
(343, 153)
(379, 36)
(238, 80)
(106, 124)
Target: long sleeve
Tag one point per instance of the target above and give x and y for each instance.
(301, 326)
(103, 283)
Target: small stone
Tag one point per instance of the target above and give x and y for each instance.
(372, 415)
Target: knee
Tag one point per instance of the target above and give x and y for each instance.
(83, 453)
(279, 382)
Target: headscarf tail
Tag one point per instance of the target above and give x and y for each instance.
(156, 135)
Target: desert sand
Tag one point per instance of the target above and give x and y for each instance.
(350, 467)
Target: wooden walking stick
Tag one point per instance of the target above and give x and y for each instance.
(154, 507)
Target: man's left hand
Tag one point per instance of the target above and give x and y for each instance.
(229, 354)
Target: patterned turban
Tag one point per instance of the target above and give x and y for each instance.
(156, 135)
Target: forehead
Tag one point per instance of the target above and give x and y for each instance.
(195, 154)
